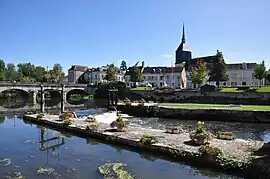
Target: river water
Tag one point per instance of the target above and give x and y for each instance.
(22, 152)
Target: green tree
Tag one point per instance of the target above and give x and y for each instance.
(111, 73)
(123, 65)
(198, 73)
(39, 74)
(260, 71)
(219, 69)
(136, 75)
(28, 71)
(10, 72)
(2, 70)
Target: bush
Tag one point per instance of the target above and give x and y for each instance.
(208, 88)
(148, 139)
(93, 126)
(67, 121)
(120, 124)
(240, 88)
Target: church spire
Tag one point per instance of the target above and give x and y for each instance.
(183, 34)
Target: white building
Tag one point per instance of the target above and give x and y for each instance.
(97, 76)
(75, 72)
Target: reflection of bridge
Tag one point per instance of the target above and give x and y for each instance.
(37, 107)
(34, 88)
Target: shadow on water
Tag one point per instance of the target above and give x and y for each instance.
(64, 155)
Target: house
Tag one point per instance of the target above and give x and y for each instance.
(75, 72)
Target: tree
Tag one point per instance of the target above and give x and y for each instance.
(198, 73)
(111, 73)
(136, 75)
(260, 71)
(2, 70)
(219, 69)
(40, 73)
(10, 72)
(123, 65)
(28, 71)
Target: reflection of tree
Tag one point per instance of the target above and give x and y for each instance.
(2, 119)
(91, 141)
(147, 157)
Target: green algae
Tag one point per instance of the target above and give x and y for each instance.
(5, 162)
(114, 171)
(45, 171)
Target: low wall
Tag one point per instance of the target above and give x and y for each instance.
(198, 114)
(210, 97)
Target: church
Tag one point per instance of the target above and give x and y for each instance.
(240, 74)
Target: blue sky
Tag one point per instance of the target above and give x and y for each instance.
(99, 32)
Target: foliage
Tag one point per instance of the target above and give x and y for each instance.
(94, 126)
(260, 71)
(111, 73)
(102, 90)
(67, 121)
(200, 134)
(40, 116)
(148, 139)
(218, 71)
(208, 88)
(136, 75)
(119, 123)
(123, 65)
(198, 73)
(2, 119)
(27, 72)
(209, 150)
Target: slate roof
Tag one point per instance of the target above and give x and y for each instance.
(78, 68)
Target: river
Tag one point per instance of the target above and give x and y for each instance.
(69, 157)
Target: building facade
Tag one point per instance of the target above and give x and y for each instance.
(240, 74)
(75, 72)
(96, 76)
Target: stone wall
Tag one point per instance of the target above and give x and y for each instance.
(198, 114)
(210, 97)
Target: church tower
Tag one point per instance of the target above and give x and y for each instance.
(182, 54)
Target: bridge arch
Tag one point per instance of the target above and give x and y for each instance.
(77, 93)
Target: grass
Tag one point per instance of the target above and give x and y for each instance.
(140, 88)
(215, 106)
(259, 89)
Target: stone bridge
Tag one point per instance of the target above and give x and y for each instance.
(34, 88)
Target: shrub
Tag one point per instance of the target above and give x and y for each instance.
(209, 150)
(67, 121)
(119, 123)
(208, 88)
(200, 135)
(93, 126)
(148, 139)
(41, 116)
(240, 88)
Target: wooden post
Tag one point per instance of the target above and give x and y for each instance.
(42, 99)
(62, 98)
(112, 99)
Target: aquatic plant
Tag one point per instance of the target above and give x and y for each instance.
(40, 116)
(114, 170)
(148, 139)
(45, 171)
(200, 135)
(5, 162)
(94, 126)
(67, 121)
(119, 123)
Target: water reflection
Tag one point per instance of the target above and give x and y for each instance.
(32, 148)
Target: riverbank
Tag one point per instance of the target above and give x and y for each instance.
(237, 155)
(207, 112)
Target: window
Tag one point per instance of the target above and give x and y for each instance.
(224, 84)
(161, 78)
(244, 83)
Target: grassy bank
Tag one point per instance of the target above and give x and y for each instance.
(215, 106)
(255, 89)
(78, 97)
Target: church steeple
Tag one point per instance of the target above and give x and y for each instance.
(183, 34)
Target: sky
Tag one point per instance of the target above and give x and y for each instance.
(101, 32)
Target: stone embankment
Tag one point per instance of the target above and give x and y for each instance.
(237, 154)
(211, 114)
